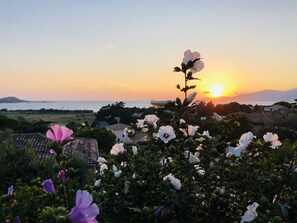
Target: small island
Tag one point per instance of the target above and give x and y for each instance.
(11, 100)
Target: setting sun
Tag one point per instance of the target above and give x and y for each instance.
(216, 90)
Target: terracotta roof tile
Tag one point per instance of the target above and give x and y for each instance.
(87, 148)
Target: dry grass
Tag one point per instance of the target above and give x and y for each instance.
(62, 118)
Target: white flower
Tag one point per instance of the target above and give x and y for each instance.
(251, 214)
(134, 176)
(117, 173)
(273, 139)
(102, 168)
(191, 56)
(166, 133)
(114, 168)
(182, 121)
(206, 133)
(191, 96)
(194, 158)
(200, 170)
(101, 160)
(123, 164)
(173, 180)
(151, 119)
(117, 148)
(221, 190)
(134, 150)
(192, 130)
(97, 183)
(170, 159)
(140, 125)
(245, 140)
(176, 183)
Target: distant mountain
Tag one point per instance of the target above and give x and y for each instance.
(10, 100)
(259, 97)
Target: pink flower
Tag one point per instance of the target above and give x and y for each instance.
(63, 176)
(53, 152)
(273, 139)
(191, 57)
(58, 133)
(84, 211)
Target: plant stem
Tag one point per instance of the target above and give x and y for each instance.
(185, 85)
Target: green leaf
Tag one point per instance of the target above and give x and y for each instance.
(177, 69)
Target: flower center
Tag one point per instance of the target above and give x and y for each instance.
(166, 135)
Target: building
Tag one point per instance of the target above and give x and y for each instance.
(87, 149)
(275, 108)
(118, 130)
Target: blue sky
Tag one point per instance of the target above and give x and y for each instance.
(58, 49)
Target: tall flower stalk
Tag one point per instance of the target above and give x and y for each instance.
(191, 64)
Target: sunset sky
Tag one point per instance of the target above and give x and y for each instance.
(126, 50)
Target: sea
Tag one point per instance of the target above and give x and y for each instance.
(87, 105)
(69, 105)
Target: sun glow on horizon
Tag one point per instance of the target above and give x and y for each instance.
(216, 90)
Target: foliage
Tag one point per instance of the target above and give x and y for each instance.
(15, 163)
(232, 107)
(105, 138)
(283, 103)
(21, 125)
(114, 113)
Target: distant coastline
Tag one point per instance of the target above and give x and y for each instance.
(11, 99)
(69, 105)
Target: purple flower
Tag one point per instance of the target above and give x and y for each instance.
(160, 211)
(63, 176)
(10, 190)
(17, 220)
(48, 186)
(84, 211)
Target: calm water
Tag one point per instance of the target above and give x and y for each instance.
(70, 105)
(87, 105)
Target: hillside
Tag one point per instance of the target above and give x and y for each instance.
(11, 100)
(259, 97)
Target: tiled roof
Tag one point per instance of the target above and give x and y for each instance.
(87, 148)
(118, 126)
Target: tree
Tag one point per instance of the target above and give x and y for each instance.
(105, 138)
